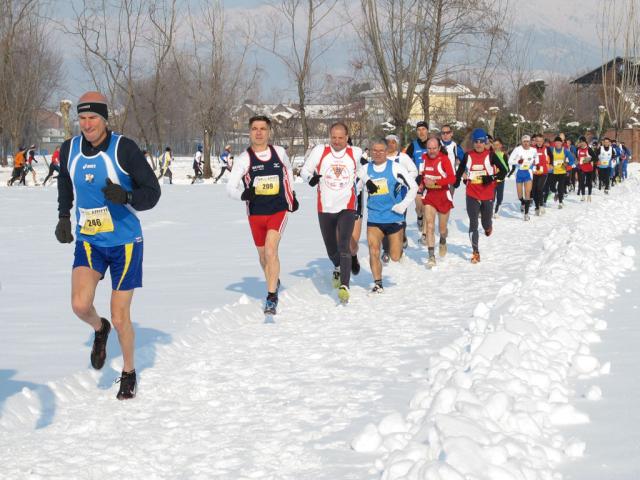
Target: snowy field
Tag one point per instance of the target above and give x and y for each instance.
(520, 367)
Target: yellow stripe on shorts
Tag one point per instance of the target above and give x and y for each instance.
(87, 249)
(128, 252)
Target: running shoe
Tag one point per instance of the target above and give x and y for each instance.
(537, 212)
(423, 239)
(336, 277)
(526, 217)
(488, 231)
(560, 206)
(271, 304)
(343, 294)
(419, 223)
(99, 349)
(431, 262)
(475, 257)
(377, 288)
(128, 385)
(385, 258)
(442, 249)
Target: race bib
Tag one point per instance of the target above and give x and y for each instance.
(525, 166)
(95, 220)
(267, 185)
(558, 163)
(475, 176)
(603, 163)
(432, 178)
(383, 187)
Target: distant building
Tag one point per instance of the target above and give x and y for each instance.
(50, 130)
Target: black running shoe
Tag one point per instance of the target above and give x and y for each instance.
(355, 265)
(128, 385)
(99, 350)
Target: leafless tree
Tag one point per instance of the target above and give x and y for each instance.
(29, 69)
(215, 72)
(619, 32)
(474, 27)
(299, 34)
(392, 35)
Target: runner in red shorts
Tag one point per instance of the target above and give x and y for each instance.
(263, 178)
(437, 176)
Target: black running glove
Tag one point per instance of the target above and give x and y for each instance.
(248, 194)
(419, 179)
(115, 193)
(63, 230)
(296, 205)
(371, 187)
(513, 169)
(363, 161)
(313, 181)
(487, 179)
(457, 184)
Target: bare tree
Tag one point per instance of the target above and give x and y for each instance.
(215, 72)
(392, 36)
(29, 69)
(458, 26)
(299, 36)
(619, 31)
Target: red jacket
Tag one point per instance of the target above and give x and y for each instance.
(438, 169)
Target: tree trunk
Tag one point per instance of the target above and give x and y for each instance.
(206, 152)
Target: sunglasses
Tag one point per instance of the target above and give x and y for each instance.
(479, 141)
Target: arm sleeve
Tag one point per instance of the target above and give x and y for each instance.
(459, 152)
(462, 167)
(235, 185)
(310, 165)
(287, 165)
(146, 189)
(450, 178)
(65, 186)
(495, 161)
(514, 157)
(402, 176)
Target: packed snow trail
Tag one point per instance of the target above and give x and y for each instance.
(234, 398)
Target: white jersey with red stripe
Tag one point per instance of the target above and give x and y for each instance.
(236, 185)
(336, 189)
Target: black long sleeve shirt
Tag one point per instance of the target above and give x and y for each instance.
(146, 189)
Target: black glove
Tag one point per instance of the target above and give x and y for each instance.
(363, 161)
(457, 184)
(371, 187)
(296, 205)
(513, 169)
(63, 230)
(487, 179)
(115, 193)
(248, 194)
(419, 179)
(313, 181)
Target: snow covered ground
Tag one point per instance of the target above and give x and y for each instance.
(494, 371)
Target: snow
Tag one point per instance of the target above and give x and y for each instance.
(495, 371)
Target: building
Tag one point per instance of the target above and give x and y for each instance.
(50, 128)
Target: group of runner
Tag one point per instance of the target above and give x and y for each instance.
(106, 180)
(384, 181)
(23, 161)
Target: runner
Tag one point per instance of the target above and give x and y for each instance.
(480, 168)
(197, 165)
(586, 158)
(524, 158)
(606, 155)
(437, 177)
(19, 160)
(498, 148)
(28, 167)
(625, 160)
(416, 149)
(383, 180)
(332, 168)
(226, 159)
(393, 154)
(54, 166)
(109, 179)
(540, 174)
(165, 165)
(263, 178)
(560, 158)
(454, 151)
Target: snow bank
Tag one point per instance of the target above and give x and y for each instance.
(496, 397)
